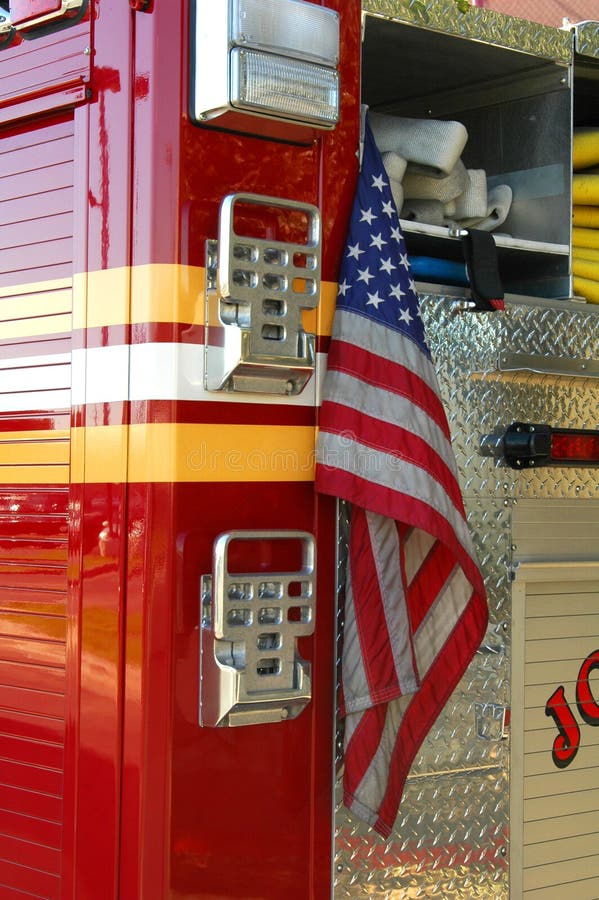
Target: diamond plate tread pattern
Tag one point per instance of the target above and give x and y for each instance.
(479, 24)
(587, 39)
(450, 839)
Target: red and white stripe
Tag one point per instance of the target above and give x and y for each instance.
(415, 607)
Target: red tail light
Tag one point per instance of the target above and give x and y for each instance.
(525, 445)
(572, 445)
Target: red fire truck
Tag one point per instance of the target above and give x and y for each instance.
(157, 429)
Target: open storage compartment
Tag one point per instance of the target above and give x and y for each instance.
(515, 100)
(585, 218)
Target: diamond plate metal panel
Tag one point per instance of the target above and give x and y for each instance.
(451, 835)
(587, 39)
(479, 397)
(480, 24)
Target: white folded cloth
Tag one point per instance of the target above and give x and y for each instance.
(395, 165)
(427, 187)
(499, 201)
(449, 210)
(428, 142)
(473, 201)
(429, 211)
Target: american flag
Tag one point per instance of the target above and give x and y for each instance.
(415, 605)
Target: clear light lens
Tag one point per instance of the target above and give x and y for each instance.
(287, 87)
(290, 27)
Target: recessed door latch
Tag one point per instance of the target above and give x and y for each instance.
(257, 289)
(251, 671)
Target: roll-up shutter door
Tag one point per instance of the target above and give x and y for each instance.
(36, 252)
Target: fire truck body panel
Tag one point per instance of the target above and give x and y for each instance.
(119, 470)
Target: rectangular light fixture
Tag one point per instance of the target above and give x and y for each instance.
(288, 27)
(527, 445)
(285, 87)
(276, 59)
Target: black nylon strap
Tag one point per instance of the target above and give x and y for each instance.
(480, 254)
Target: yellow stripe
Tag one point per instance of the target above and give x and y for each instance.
(28, 305)
(195, 453)
(163, 293)
(36, 287)
(40, 327)
(58, 434)
(30, 449)
(34, 474)
(124, 296)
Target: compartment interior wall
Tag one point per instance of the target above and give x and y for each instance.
(517, 110)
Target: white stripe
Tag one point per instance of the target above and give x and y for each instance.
(44, 400)
(385, 547)
(373, 786)
(387, 406)
(23, 362)
(441, 619)
(417, 546)
(356, 694)
(165, 371)
(102, 375)
(342, 452)
(393, 346)
(35, 378)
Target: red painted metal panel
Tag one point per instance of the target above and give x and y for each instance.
(28, 803)
(47, 550)
(30, 577)
(32, 778)
(29, 880)
(32, 828)
(31, 727)
(42, 653)
(45, 859)
(25, 208)
(245, 812)
(36, 225)
(37, 702)
(35, 240)
(23, 10)
(45, 64)
(37, 753)
(46, 178)
(30, 676)
(30, 528)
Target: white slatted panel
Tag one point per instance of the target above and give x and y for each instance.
(555, 811)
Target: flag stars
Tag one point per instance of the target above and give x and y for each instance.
(387, 266)
(404, 316)
(353, 251)
(367, 216)
(403, 261)
(396, 291)
(343, 288)
(377, 241)
(378, 182)
(365, 276)
(396, 234)
(388, 209)
(374, 300)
